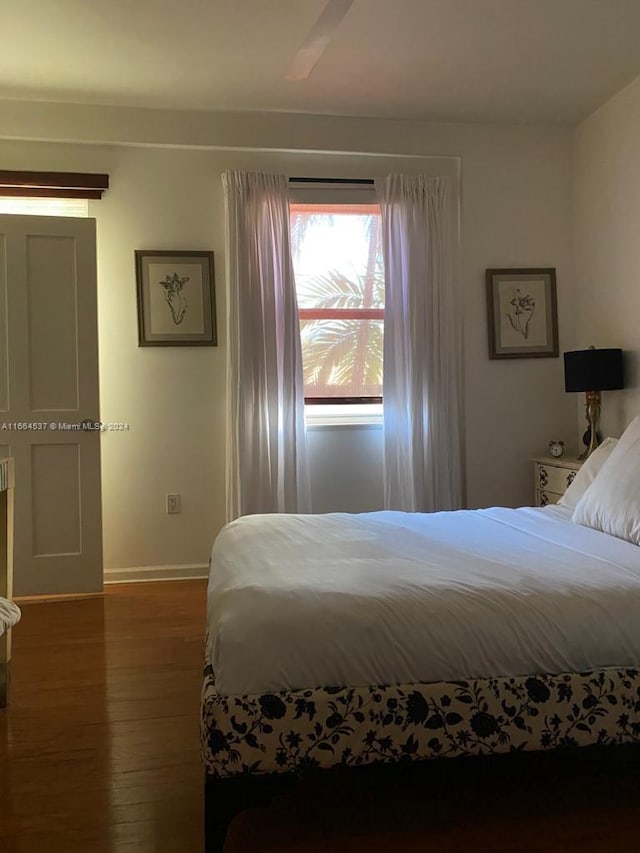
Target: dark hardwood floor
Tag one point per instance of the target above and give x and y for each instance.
(99, 754)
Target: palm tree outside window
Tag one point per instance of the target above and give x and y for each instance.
(337, 255)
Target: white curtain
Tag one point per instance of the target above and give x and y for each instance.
(266, 459)
(422, 345)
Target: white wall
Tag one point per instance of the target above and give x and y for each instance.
(346, 468)
(607, 215)
(516, 211)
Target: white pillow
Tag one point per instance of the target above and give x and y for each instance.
(612, 502)
(587, 473)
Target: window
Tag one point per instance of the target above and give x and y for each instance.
(339, 272)
(44, 206)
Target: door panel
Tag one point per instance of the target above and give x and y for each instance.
(4, 332)
(53, 324)
(55, 481)
(53, 386)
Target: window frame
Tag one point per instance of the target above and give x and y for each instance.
(317, 191)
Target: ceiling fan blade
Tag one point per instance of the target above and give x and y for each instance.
(319, 37)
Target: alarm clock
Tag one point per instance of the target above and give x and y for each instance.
(556, 448)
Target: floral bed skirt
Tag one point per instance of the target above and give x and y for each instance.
(284, 732)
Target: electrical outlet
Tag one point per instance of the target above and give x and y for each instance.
(174, 504)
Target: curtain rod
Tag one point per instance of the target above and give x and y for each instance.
(364, 181)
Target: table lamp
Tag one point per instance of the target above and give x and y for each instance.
(592, 371)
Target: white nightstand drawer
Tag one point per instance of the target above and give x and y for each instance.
(545, 498)
(553, 477)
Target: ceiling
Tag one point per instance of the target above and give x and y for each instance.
(460, 60)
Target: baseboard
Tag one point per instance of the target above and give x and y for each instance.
(140, 574)
(50, 597)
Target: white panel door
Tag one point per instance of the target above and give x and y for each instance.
(48, 387)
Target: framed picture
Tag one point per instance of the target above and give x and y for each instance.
(176, 299)
(523, 313)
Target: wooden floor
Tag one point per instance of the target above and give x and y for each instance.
(99, 752)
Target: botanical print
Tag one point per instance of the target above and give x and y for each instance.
(523, 307)
(176, 296)
(176, 299)
(281, 732)
(522, 313)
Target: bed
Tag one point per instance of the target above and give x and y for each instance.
(387, 637)
(9, 612)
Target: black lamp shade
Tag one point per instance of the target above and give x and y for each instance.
(593, 370)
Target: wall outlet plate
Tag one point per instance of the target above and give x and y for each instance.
(174, 504)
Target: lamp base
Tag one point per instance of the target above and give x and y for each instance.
(592, 406)
(586, 439)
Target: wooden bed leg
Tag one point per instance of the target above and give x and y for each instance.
(225, 798)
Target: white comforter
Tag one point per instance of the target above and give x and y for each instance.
(9, 615)
(300, 601)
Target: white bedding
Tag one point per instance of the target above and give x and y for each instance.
(9, 615)
(299, 601)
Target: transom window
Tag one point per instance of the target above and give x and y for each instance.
(337, 255)
(44, 206)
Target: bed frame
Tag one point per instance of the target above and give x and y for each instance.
(6, 569)
(254, 746)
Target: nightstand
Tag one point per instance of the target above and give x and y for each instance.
(553, 477)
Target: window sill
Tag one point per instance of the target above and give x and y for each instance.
(364, 415)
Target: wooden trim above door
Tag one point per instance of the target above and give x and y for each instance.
(53, 184)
